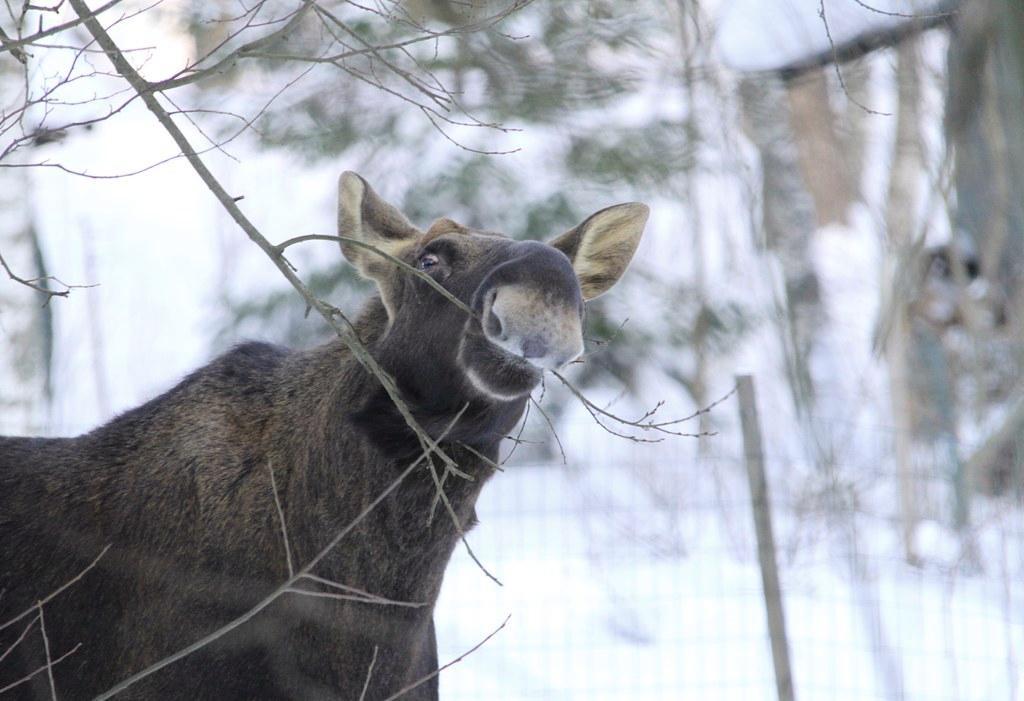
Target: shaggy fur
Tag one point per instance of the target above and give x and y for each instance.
(180, 490)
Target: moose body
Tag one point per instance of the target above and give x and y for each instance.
(137, 540)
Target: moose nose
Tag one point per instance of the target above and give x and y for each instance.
(493, 326)
(534, 347)
(530, 324)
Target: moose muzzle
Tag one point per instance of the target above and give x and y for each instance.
(531, 307)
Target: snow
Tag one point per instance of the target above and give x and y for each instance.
(629, 573)
(632, 620)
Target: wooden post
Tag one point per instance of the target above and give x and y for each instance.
(760, 507)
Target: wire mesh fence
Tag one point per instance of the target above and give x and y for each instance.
(632, 572)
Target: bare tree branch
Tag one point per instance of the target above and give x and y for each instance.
(12, 44)
(17, 641)
(467, 653)
(914, 15)
(36, 672)
(8, 44)
(233, 57)
(46, 648)
(353, 597)
(341, 324)
(290, 583)
(645, 422)
(835, 63)
(551, 426)
(280, 516)
(52, 595)
(369, 673)
(455, 521)
(383, 254)
(481, 456)
(357, 592)
(34, 283)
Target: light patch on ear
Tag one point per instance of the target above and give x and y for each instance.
(363, 216)
(602, 246)
(350, 202)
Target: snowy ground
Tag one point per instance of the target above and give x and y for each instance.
(602, 608)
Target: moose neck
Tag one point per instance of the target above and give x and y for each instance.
(435, 389)
(410, 534)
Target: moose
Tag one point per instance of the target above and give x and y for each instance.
(142, 559)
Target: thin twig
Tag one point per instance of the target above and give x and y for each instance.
(518, 439)
(33, 283)
(383, 254)
(551, 426)
(360, 592)
(439, 486)
(835, 63)
(280, 516)
(338, 321)
(270, 598)
(481, 456)
(231, 58)
(12, 44)
(644, 423)
(467, 653)
(699, 412)
(922, 15)
(55, 592)
(438, 493)
(353, 597)
(602, 343)
(34, 673)
(46, 648)
(369, 673)
(10, 648)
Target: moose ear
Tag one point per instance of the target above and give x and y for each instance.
(601, 247)
(363, 216)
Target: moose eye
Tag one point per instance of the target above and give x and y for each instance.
(427, 261)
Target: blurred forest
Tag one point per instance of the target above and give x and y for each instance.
(837, 187)
(628, 100)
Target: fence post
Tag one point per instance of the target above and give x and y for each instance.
(761, 510)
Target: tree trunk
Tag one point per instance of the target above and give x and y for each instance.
(787, 224)
(827, 174)
(900, 222)
(24, 323)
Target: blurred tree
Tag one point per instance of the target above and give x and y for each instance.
(785, 229)
(827, 167)
(571, 76)
(25, 321)
(901, 347)
(985, 128)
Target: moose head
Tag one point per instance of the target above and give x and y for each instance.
(526, 298)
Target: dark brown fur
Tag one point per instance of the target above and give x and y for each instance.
(180, 490)
(180, 487)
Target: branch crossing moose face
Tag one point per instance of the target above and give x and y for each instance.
(526, 297)
(199, 542)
